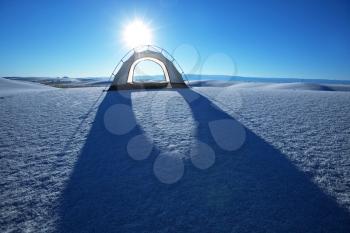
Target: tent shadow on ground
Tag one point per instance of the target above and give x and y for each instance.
(254, 189)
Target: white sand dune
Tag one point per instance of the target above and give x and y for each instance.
(304, 86)
(13, 87)
(295, 86)
(269, 85)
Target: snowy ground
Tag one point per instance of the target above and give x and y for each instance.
(207, 159)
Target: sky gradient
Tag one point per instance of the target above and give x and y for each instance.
(265, 38)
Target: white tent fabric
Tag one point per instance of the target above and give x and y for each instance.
(123, 79)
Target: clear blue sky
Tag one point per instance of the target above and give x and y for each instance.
(265, 38)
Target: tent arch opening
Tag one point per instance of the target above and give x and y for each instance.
(123, 77)
(131, 76)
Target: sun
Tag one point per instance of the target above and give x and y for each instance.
(137, 33)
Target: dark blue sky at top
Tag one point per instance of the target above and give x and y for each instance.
(262, 38)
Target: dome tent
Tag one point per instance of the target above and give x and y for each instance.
(124, 78)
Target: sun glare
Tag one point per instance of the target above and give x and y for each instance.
(137, 33)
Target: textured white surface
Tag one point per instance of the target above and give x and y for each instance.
(43, 133)
(311, 127)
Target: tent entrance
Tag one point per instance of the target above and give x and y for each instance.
(134, 74)
(148, 70)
